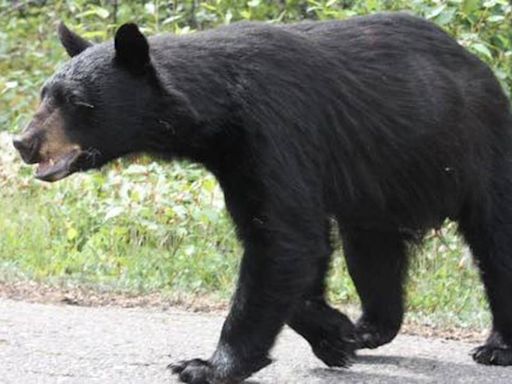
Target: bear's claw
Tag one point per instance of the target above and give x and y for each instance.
(194, 371)
(335, 353)
(492, 355)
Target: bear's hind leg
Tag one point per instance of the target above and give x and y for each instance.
(377, 263)
(488, 231)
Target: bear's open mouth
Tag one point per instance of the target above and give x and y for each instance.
(57, 168)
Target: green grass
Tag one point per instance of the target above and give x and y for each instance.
(143, 226)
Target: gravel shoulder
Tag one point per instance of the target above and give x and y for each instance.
(56, 343)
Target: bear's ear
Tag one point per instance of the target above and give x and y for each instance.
(132, 48)
(73, 43)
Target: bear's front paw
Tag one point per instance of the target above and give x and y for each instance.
(195, 371)
(213, 371)
(489, 354)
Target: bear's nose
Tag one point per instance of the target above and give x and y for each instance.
(27, 147)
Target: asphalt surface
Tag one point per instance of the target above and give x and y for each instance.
(42, 343)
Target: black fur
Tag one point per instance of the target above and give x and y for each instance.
(383, 122)
(132, 48)
(73, 43)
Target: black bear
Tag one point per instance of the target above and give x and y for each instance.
(383, 123)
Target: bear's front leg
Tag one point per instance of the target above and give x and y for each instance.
(272, 278)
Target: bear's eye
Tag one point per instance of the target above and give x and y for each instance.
(63, 95)
(55, 97)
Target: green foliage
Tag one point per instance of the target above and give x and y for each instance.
(29, 50)
(139, 227)
(147, 225)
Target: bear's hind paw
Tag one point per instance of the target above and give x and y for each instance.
(337, 352)
(492, 355)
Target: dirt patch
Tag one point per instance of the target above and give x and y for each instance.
(84, 296)
(447, 333)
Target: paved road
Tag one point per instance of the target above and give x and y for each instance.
(69, 344)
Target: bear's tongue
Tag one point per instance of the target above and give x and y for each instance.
(56, 169)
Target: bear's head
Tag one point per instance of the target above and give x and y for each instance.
(97, 107)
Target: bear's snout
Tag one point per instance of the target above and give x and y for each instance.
(28, 147)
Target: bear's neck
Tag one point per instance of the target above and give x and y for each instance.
(195, 118)
(213, 141)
